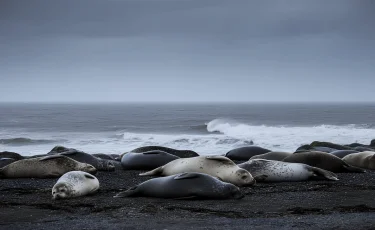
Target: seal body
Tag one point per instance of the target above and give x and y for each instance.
(363, 149)
(99, 164)
(147, 160)
(176, 152)
(245, 153)
(362, 159)
(217, 166)
(276, 156)
(6, 161)
(44, 167)
(185, 185)
(278, 171)
(104, 156)
(322, 160)
(12, 155)
(343, 153)
(75, 184)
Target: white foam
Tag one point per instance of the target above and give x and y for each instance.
(223, 135)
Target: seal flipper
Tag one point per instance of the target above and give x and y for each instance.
(155, 172)
(324, 173)
(350, 168)
(88, 176)
(222, 159)
(130, 192)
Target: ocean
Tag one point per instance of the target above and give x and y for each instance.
(205, 128)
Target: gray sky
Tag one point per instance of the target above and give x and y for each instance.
(187, 50)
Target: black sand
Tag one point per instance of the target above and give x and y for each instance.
(345, 204)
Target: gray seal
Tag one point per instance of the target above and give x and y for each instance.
(278, 171)
(176, 152)
(105, 156)
(217, 166)
(276, 156)
(329, 145)
(364, 160)
(184, 186)
(147, 160)
(13, 155)
(305, 148)
(322, 160)
(6, 161)
(245, 153)
(44, 167)
(343, 153)
(99, 164)
(74, 184)
(363, 149)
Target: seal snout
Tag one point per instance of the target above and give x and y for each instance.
(111, 167)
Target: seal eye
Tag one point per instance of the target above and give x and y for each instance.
(243, 177)
(62, 190)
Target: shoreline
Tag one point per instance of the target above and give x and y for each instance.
(345, 204)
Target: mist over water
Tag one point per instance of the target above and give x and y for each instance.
(206, 128)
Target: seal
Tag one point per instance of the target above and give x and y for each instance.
(329, 145)
(176, 152)
(277, 156)
(104, 156)
(363, 149)
(278, 171)
(342, 153)
(44, 167)
(99, 164)
(305, 148)
(147, 160)
(217, 166)
(6, 161)
(245, 153)
(184, 186)
(364, 160)
(13, 155)
(322, 160)
(74, 184)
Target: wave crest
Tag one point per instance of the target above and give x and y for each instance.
(26, 141)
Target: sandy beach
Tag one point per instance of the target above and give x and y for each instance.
(345, 204)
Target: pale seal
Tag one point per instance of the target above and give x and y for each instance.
(343, 153)
(322, 160)
(276, 156)
(185, 186)
(245, 153)
(364, 160)
(147, 160)
(278, 171)
(44, 167)
(75, 184)
(217, 166)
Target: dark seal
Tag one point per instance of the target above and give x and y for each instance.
(147, 160)
(185, 186)
(245, 153)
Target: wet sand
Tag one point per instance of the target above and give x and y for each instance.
(345, 204)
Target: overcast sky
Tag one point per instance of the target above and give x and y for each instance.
(187, 50)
